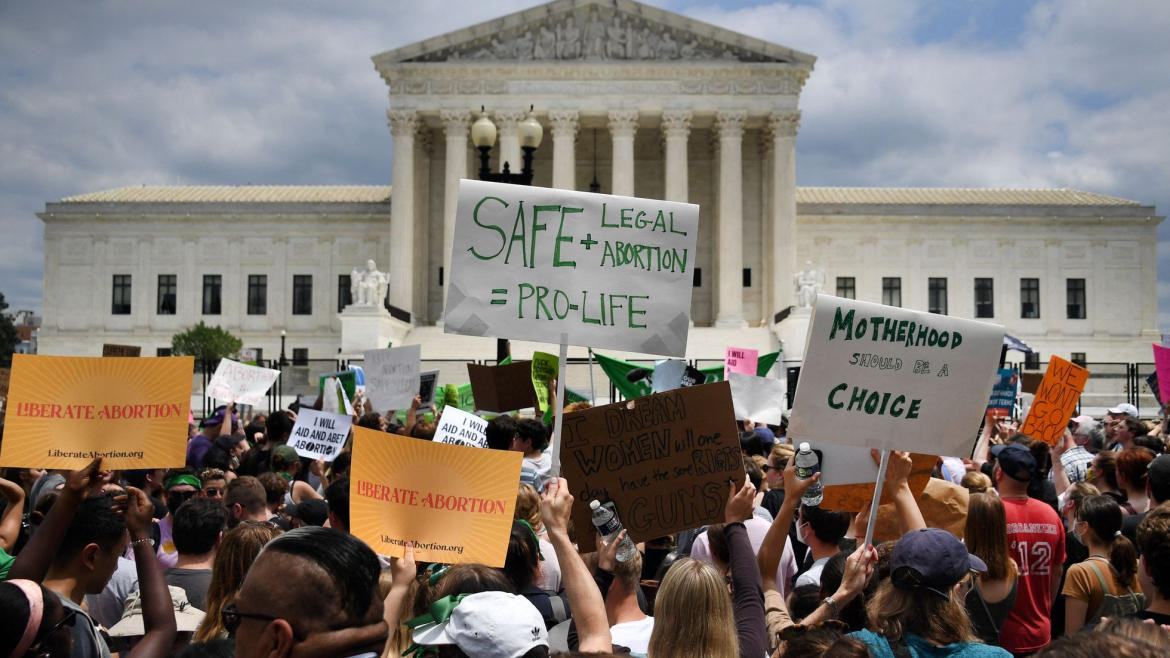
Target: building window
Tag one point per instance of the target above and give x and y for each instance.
(162, 351)
(1030, 298)
(212, 289)
(847, 287)
(257, 294)
(984, 298)
(892, 290)
(302, 294)
(1075, 291)
(1032, 360)
(300, 356)
(937, 295)
(440, 276)
(168, 290)
(344, 294)
(747, 277)
(698, 280)
(120, 304)
(1079, 359)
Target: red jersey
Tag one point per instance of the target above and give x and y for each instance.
(1036, 542)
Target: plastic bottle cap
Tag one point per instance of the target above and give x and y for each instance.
(805, 447)
(594, 504)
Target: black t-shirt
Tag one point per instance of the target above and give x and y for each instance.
(1129, 528)
(1157, 617)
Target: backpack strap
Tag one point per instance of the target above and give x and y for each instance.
(560, 612)
(1100, 576)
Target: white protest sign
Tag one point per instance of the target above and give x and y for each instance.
(319, 434)
(460, 428)
(392, 376)
(238, 382)
(757, 398)
(668, 375)
(599, 270)
(334, 399)
(892, 378)
(427, 380)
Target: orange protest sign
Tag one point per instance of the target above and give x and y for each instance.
(63, 411)
(1056, 399)
(454, 502)
(852, 497)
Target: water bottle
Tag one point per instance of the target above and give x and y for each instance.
(606, 521)
(807, 465)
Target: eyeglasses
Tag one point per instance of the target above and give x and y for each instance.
(767, 468)
(231, 617)
(38, 650)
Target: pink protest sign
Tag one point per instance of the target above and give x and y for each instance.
(1162, 367)
(741, 360)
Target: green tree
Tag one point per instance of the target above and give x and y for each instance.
(205, 343)
(8, 339)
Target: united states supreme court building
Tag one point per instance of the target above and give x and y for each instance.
(645, 103)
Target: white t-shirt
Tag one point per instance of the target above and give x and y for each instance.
(757, 529)
(813, 575)
(634, 635)
(542, 464)
(550, 567)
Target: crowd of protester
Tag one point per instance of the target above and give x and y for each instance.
(1065, 551)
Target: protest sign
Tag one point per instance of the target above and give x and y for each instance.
(667, 375)
(347, 379)
(427, 381)
(1030, 381)
(1151, 382)
(599, 270)
(1056, 400)
(544, 370)
(1162, 370)
(5, 375)
(664, 460)
(249, 356)
(502, 388)
(319, 434)
(237, 382)
(334, 398)
(849, 474)
(943, 505)
(455, 504)
(892, 378)
(460, 428)
(757, 398)
(1003, 393)
(63, 411)
(121, 350)
(741, 360)
(392, 378)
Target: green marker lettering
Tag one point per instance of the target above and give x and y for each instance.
(518, 235)
(490, 227)
(557, 262)
(536, 228)
(634, 311)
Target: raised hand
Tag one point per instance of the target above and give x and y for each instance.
(88, 481)
(556, 506)
(607, 551)
(740, 503)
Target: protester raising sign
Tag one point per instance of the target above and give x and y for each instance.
(741, 360)
(758, 398)
(544, 370)
(455, 504)
(319, 434)
(598, 270)
(892, 378)
(392, 378)
(664, 460)
(62, 411)
(1055, 401)
(460, 428)
(237, 382)
(1003, 393)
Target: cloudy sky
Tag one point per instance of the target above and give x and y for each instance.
(995, 93)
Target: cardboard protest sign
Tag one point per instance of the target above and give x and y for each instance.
(1162, 370)
(1030, 382)
(849, 473)
(237, 382)
(664, 460)
(741, 360)
(600, 270)
(544, 370)
(893, 378)
(392, 378)
(319, 434)
(1056, 401)
(64, 411)
(454, 503)
(5, 375)
(427, 381)
(109, 349)
(502, 388)
(1003, 393)
(757, 398)
(943, 505)
(460, 428)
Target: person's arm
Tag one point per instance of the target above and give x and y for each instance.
(402, 575)
(36, 557)
(1059, 477)
(606, 561)
(1075, 611)
(412, 415)
(13, 514)
(747, 594)
(225, 428)
(304, 491)
(898, 484)
(772, 548)
(158, 613)
(858, 570)
(556, 505)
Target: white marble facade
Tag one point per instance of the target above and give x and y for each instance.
(650, 103)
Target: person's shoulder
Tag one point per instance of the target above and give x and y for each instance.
(878, 645)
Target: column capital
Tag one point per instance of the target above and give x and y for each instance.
(676, 123)
(455, 121)
(784, 124)
(730, 123)
(402, 122)
(623, 123)
(564, 123)
(507, 120)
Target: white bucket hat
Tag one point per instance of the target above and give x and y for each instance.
(187, 616)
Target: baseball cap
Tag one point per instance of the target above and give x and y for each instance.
(1126, 409)
(216, 418)
(187, 616)
(757, 442)
(485, 625)
(1017, 462)
(285, 454)
(312, 511)
(1158, 473)
(931, 559)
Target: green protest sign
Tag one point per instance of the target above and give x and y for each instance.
(544, 370)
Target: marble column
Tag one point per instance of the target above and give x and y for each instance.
(783, 209)
(622, 126)
(508, 130)
(456, 123)
(403, 125)
(729, 230)
(564, 133)
(676, 127)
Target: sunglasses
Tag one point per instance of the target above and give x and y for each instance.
(38, 649)
(231, 617)
(212, 492)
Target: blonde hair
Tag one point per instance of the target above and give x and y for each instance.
(782, 452)
(528, 506)
(237, 550)
(894, 612)
(692, 614)
(976, 482)
(577, 406)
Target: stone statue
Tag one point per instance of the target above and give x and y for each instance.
(646, 46)
(546, 44)
(595, 37)
(808, 284)
(690, 50)
(368, 288)
(667, 47)
(569, 40)
(522, 47)
(615, 44)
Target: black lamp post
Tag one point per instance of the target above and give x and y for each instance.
(283, 336)
(483, 136)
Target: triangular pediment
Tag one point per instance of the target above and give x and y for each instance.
(593, 30)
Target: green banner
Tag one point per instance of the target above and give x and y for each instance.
(618, 372)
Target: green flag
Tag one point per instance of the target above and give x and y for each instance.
(618, 371)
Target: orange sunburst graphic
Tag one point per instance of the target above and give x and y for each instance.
(64, 410)
(455, 502)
